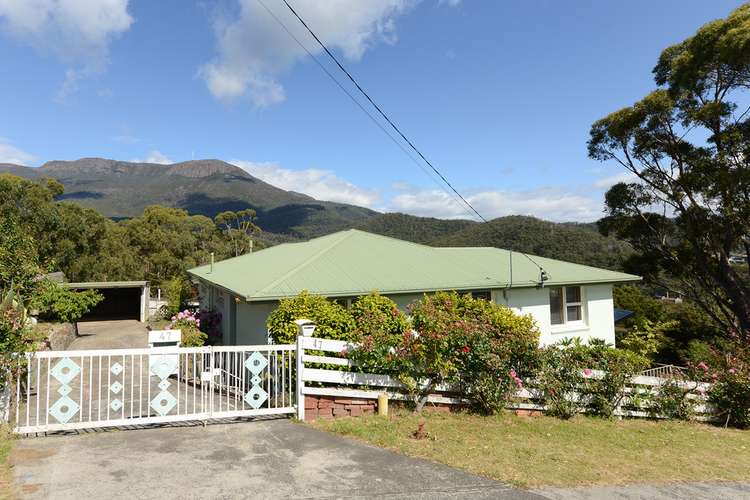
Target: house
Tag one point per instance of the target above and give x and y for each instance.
(566, 300)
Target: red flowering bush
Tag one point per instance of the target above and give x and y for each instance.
(478, 347)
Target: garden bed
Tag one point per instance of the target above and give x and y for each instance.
(545, 451)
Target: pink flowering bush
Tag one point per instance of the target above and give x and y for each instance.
(189, 324)
(573, 377)
(481, 349)
(730, 392)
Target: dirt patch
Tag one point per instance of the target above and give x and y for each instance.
(20, 454)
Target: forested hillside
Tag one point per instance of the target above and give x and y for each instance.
(120, 190)
(581, 244)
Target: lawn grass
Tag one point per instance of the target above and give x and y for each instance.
(544, 451)
(6, 474)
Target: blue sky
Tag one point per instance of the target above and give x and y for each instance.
(500, 95)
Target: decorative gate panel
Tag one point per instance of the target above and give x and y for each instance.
(65, 390)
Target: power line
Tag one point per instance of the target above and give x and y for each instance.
(543, 274)
(361, 107)
(382, 113)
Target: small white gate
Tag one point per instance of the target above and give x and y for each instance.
(65, 390)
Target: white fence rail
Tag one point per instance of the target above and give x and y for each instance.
(347, 384)
(65, 390)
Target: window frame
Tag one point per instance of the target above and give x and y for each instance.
(565, 304)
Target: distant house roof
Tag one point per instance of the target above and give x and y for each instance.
(621, 314)
(353, 262)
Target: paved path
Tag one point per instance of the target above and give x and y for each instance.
(121, 334)
(262, 459)
(691, 491)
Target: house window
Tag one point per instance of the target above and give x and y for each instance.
(484, 294)
(565, 305)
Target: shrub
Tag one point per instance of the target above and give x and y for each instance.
(332, 320)
(574, 377)
(730, 392)
(62, 304)
(477, 346)
(177, 293)
(375, 314)
(189, 325)
(672, 401)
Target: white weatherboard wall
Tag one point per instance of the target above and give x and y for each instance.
(598, 313)
(251, 322)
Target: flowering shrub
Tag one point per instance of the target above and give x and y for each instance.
(573, 377)
(730, 392)
(671, 401)
(479, 347)
(189, 324)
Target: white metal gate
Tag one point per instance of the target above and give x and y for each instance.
(63, 390)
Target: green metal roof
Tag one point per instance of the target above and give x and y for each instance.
(354, 262)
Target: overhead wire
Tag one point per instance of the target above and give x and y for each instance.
(543, 274)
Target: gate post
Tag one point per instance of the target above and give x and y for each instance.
(300, 381)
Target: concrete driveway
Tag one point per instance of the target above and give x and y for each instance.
(261, 459)
(118, 334)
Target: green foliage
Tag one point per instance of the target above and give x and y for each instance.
(665, 332)
(673, 402)
(177, 293)
(57, 303)
(570, 242)
(238, 227)
(573, 377)
(686, 143)
(332, 320)
(425, 230)
(478, 346)
(168, 241)
(647, 338)
(15, 335)
(18, 258)
(375, 314)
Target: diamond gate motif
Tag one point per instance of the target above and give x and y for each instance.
(64, 372)
(163, 366)
(256, 396)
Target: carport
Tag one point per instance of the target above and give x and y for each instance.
(122, 299)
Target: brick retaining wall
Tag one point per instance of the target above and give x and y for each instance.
(334, 407)
(331, 406)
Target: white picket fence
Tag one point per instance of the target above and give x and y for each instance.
(349, 384)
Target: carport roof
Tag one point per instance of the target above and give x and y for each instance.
(106, 284)
(353, 262)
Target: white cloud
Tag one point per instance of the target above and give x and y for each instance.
(253, 50)
(606, 182)
(78, 32)
(546, 203)
(11, 154)
(155, 156)
(318, 183)
(549, 204)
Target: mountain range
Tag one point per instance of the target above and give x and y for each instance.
(120, 189)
